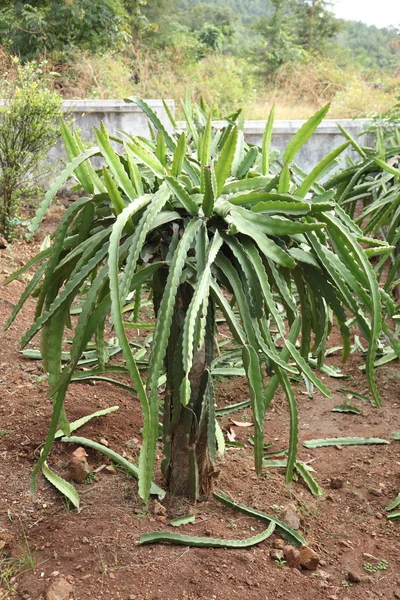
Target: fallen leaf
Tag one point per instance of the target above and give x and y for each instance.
(230, 434)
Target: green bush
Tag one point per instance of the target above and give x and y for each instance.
(29, 117)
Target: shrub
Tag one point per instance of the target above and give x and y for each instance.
(29, 118)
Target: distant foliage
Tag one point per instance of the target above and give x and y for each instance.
(247, 9)
(368, 46)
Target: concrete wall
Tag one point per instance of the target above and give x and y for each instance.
(327, 137)
(115, 114)
(118, 115)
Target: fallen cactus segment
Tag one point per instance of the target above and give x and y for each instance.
(161, 537)
(292, 536)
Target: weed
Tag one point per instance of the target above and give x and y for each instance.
(11, 568)
(280, 562)
(4, 432)
(8, 572)
(306, 509)
(67, 504)
(90, 478)
(382, 565)
(38, 379)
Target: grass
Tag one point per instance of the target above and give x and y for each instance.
(13, 567)
(225, 81)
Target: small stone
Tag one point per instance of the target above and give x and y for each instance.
(161, 519)
(128, 456)
(104, 442)
(309, 559)
(353, 577)
(292, 557)
(132, 443)
(279, 544)
(55, 574)
(344, 544)
(322, 584)
(336, 483)
(379, 515)
(59, 589)
(110, 469)
(85, 540)
(323, 574)
(17, 376)
(159, 509)
(276, 554)
(5, 542)
(290, 516)
(78, 465)
(111, 575)
(376, 491)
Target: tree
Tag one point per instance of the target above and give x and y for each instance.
(279, 37)
(202, 14)
(214, 231)
(316, 24)
(30, 29)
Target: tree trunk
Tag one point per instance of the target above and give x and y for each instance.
(6, 208)
(188, 466)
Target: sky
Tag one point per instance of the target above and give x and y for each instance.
(382, 13)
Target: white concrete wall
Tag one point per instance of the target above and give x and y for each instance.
(118, 115)
(115, 114)
(327, 137)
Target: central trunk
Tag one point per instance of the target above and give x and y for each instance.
(188, 431)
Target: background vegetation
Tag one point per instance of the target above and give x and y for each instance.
(253, 53)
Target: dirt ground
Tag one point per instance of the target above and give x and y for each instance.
(96, 550)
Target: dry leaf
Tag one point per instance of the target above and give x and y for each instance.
(230, 434)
